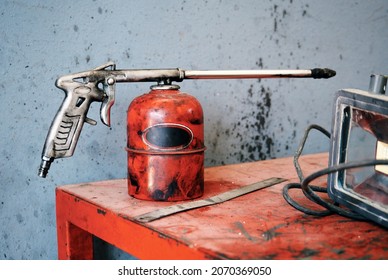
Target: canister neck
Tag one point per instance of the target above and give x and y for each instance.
(165, 86)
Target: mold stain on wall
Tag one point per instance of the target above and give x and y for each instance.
(258, 144)
(245, 136)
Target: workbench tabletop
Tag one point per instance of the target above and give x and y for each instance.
(258, 225)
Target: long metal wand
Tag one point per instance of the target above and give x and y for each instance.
(317, 73)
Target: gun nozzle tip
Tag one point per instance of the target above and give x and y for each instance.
(330, 73)
(322, 73)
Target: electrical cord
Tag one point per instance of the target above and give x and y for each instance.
(309, 190)
(298, 152)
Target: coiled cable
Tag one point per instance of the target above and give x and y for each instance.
(309, 190)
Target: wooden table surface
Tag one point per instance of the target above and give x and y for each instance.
(259, 225)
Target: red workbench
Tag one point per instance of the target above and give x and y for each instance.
(258, 225)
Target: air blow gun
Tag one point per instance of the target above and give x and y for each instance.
(98, 85)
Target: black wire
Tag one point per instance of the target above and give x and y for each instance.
(308, 190)
(298, 152)
(299, 207)
(335, 168)
(301, 147)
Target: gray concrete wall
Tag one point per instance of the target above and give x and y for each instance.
(41, 40)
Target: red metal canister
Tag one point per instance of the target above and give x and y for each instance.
(165, 145)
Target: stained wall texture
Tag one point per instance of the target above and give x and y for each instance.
(245, 120)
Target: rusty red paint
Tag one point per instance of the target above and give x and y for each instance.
(165, 144)
(259, 225)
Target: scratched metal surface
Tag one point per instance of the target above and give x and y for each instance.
(259, 225)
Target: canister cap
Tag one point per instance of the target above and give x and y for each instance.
(165, 87)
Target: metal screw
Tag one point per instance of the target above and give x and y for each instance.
(110, 81)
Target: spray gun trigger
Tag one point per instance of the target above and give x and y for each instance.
(109, 100)
(90, 121)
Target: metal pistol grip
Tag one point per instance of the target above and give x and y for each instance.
(67, 125)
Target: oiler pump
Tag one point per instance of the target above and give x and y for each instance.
(165, 129)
